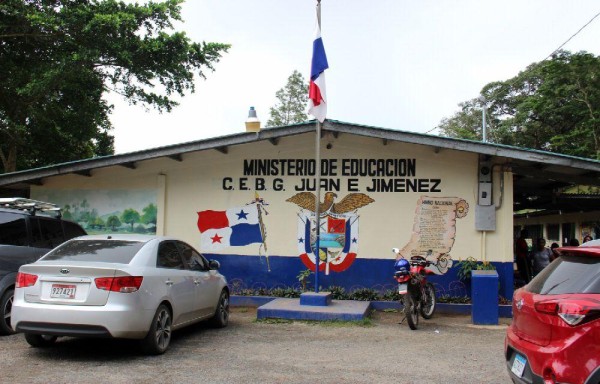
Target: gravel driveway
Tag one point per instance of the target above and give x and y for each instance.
(445, 349)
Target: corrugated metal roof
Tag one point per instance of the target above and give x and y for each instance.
(536, 172)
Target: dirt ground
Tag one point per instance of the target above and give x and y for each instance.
(445, 349)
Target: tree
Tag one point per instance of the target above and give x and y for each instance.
(291, 102)
(59, 58)
(149, 214)
(130, 216)
(552, 105)
(113, 222)
(98, 223)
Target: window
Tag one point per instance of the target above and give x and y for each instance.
(568, 233)
(13, 229)
(568, 274)
(72, 230)
(46, 233)
(553, 232)
(193, 260)
(110, 251)
(535, 231)
(168, 256)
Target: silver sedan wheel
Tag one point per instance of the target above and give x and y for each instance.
(163, 329)
(6, 303)
(159, 336)
(221, 316)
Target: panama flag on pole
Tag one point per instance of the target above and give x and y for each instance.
(317, 99)
(234, 227)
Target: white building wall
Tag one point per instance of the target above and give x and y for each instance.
(182, 189)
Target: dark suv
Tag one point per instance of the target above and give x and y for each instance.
(28, 229)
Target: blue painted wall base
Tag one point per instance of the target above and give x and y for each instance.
(251, 272)
(504, 311)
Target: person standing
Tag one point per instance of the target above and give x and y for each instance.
(521, 251)
(554, 248)
(540, 256)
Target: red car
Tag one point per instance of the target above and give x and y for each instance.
(555, 332)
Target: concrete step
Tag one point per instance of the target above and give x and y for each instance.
(291, 309)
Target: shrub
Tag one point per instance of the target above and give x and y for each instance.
(390, 295)
(454, 299)
(337, 293)
(469, 264)
(303, 278)
(289, 293)
(364, 294)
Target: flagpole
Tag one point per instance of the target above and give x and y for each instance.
(317, 205)
(318, 184)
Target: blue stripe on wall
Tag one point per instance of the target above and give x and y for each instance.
(363, 273)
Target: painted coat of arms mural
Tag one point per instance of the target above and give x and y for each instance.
(339, 238)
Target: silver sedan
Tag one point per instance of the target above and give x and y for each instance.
(123, 286)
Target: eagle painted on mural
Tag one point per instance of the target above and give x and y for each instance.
(349, 203)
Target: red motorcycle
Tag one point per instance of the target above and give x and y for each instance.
(417, 295)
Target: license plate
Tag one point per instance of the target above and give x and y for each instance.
(518, 365)
(63, 291)
(402, 288)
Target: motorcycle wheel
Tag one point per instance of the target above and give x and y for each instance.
(411, 311)
(428, 301)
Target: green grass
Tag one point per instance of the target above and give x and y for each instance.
(273, 321)
(366, 322)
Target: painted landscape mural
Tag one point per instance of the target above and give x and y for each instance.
(106, 211)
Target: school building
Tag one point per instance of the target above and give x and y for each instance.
(247, 200)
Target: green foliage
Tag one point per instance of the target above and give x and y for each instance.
(113, 222)
(290, 293)
(140, 229)
(130, 216)
(469, 264)
(454, 299)
(149, 214)
(274, 321)
(365, 323)
(337, 293)
(364, 294)
(246, 292)
(96, 223)
(59, 59)
(553, 105)
(390, 295)
(303, 278)
(291, 102)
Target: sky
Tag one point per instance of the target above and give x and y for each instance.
(394, 64)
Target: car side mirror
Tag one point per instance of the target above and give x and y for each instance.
(214, 264)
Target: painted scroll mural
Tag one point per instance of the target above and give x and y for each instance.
(434, 230)
(106, 211)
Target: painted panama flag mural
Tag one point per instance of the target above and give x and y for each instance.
(234, 227)
(338, 245)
